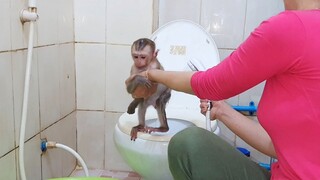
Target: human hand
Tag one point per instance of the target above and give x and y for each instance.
(204, 105)
(217, 109)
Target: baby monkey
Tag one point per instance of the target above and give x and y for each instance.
(144, 55)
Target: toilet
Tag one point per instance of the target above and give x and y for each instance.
(179, 42)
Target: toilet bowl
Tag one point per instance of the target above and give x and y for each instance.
(178, 42)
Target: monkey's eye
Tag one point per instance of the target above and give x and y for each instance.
(143, 57)
(135, 57)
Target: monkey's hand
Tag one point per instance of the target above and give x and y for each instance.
(138, 81)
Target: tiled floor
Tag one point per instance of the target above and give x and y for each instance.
(120, 175)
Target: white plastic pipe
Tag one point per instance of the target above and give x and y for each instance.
(74, 153)
(25, 102)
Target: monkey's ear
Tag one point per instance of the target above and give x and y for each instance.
(155, 54)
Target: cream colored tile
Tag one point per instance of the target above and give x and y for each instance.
(113, 159)
(48, 22)
(128, 20)
(6, 104)
(59, 162)
(5, 31)
(90, 73)
(19, 60)
(260, 10)
(65, 21)
(90, 139)
(90, 20)
(32, 159)
(8, 166)
(49, 75)
(179, 9)
(118, 66)
(218, 18)
(67, 79)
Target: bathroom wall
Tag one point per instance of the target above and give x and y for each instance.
(80, 62)
(52, 102)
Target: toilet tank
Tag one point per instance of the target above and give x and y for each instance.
(178, 43)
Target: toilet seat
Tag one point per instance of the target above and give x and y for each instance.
(178, 43)
(178, 119)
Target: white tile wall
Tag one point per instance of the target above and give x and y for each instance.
(65, 20)
(8, 166)
(67, 79)
(128, 20)
(52, 82)
(5, 31)
(179, 9)
(260, 10)
(90, 73)
(49, 70)
(19, 68)
(118, 66)
(90, 139)
(90, 20)
(226, 28)
(6, 105)
(48, 28)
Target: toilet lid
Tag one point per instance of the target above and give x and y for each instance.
(178, 43)
(181, 41)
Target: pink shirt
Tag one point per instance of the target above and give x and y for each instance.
(284, 51)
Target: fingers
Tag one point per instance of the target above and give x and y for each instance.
(148, 84)
(204, 106)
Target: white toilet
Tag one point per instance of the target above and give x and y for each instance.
(178, 42)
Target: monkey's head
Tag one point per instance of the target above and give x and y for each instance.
(143, 51)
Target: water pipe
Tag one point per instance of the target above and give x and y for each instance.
(50, 144)
(251, 108)
(31, 16)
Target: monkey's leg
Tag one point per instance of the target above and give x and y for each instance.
(160, 107)
(163, 122)
(132, 106)
(141, 116)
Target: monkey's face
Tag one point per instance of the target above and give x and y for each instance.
(143, 57)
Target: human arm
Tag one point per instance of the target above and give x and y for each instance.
(248, 130)
(176, 80)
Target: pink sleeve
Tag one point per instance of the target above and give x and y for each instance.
(270, 50)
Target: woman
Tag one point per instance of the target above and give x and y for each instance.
(285, 51)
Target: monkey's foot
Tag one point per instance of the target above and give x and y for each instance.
(135, 130)
(131, 110)
(159, 129)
